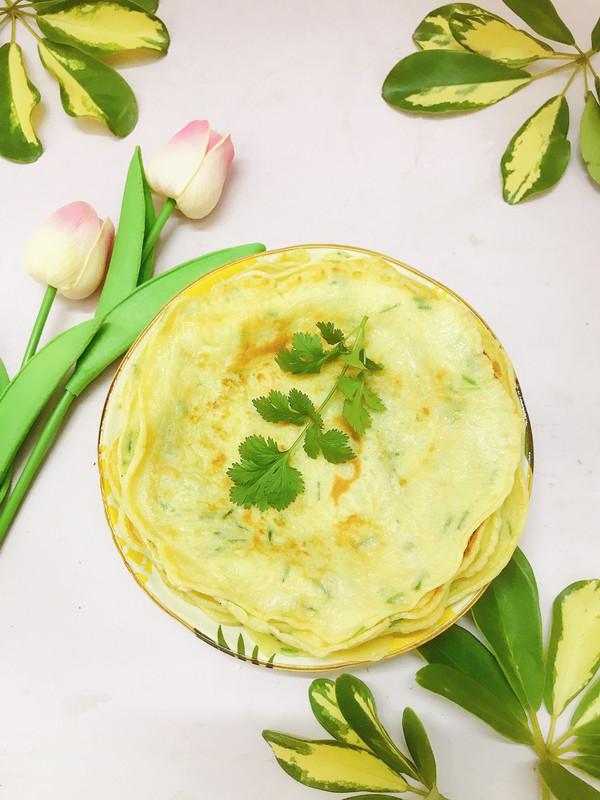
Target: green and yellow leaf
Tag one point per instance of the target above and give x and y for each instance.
(474, 698)
(564, 785)
(18, 98)
(587, 712)
(574, 648)
(543, 18)
(419, 747)
(148, 5)
(459, 649)
(440, 81)
(6, 479)
(589, 764)
(433, 32)
(588, 745)
(508, 616)
(539, 152)
(596, 37)
(89, 88)
(103, 27)
(357, 704)
(332, 766)
(493, 37)
(589, 136)
(323, 702)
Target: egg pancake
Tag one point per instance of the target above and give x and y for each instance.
(374, 546)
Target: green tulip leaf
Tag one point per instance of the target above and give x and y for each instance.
(31, 388)
(103, 27)
(508, 616)
(419, 747)
(473, 697)
(564, 785)
(321, 694)
(332, 766)
(123, 271)
(596, 37)
(124, 323)
(147, 267)
(490, 36)
(539, 152)
(542, 17)
(574, 648)
(434, 33)
(357, 704)
(589, 764)
(459, 649)
(4, 481)
(89, 88)
(18, 98)
(589, 136)
(442, 81)
(587, 712)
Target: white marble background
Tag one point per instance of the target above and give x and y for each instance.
(101, 694)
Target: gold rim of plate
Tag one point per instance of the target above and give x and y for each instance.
(331, 662)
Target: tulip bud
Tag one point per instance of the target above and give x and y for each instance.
(71, 250)
(191, 168)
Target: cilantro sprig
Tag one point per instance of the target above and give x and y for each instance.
(264, 476)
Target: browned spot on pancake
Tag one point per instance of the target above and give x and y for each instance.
(341, 485)
(471, 544)
(497, 369)
(426, 411)
(247, 515)
(218, 460)
(250, 349)
(403, 481)
(440, 375)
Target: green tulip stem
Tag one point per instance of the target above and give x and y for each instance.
(39, 323)
(153, 234)
(33, 463)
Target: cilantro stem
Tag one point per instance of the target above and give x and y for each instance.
(358, 344)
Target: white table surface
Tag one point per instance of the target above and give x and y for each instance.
(102, 695)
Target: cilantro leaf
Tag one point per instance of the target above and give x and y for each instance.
(302, 404)
(335, 446)
(306, 356)
(330, 333)
(264, 477)
(275, 407)
(311, 442)
(374, 366)
(372, 400)
(354, 359)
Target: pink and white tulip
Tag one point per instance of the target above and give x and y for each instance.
(71, 250)
(191, 168)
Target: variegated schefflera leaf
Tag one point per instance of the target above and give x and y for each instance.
(90, 88)
(596, 37)
(543, 18)
(564, 785)
(332, 766)
(441, 81)
(589, 136)
(103, 27)
(434, 33)
(324, 704)
(574, 648)
(586, 717)
(539, 152)
(18, 99)
(493, 37)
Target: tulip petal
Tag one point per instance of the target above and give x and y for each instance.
(94, 266)
(61, 245)
(202, 193)
(168, 172)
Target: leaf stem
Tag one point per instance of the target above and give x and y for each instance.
(153, 234)
(551, 730)
(539, 743)
(551, 71)
(38, 325)
(28, 26)
(594, 73)
(34, 462)
(568, 735)
(585, 78)
(576, 72)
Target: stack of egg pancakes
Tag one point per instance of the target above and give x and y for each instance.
(426, 514)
